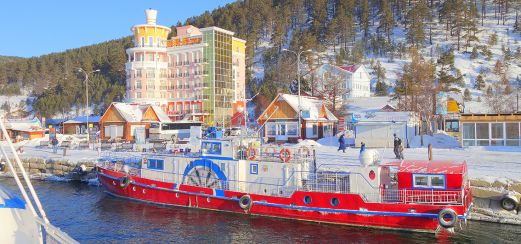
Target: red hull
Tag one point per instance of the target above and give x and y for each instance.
(351, 210)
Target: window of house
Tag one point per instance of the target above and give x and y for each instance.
(315, 130)
(281, 129)
(150, 41)
(292, 129)
(452, 126)
(512, 134)
(496, 134)
(271, 129)
(156, 164)
(482, 134)
(142, 41)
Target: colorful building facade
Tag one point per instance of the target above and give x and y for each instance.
(195, 75)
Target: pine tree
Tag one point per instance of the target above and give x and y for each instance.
(508, 89)
(381, 89)
(470, 24)
(492, 41)
(466, 95)
(364, 17)
(386, 19)
(490, 93)
(416, 18)
(480, 83)
(474, 53)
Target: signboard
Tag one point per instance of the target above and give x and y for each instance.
(441, 103)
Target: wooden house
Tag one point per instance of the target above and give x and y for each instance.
(280, 119)
(123, 120)
(24, 129)
(79, 125)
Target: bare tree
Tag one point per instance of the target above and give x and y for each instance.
(500, 100)
(332, 89)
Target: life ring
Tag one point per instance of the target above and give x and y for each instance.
(251, 153)
(245, 202)
(509, 202)
(285, 155)
(124, 181)
(447, 218)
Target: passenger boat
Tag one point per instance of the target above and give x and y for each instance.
(284, 182)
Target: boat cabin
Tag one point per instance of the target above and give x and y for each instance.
(432, 175)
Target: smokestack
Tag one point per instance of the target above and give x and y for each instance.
(151, 16)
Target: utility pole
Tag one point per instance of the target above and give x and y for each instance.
(299, 112)
(87, 97)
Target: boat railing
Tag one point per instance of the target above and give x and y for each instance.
(275, 153)
(52, 234)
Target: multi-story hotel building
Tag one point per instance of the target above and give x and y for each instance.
(195, 75)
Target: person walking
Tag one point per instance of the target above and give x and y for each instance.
(54, 143)
(362, 147)
(397, 143)
(341, 143)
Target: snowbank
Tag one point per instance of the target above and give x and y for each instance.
(439, 140)
(308, 143)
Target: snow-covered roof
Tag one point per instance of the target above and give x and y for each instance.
(368, 104)
(134, 112)
(130, 112)
(83, 119)
(24, 125)
(311, 104)
(433, 167)
(163, 117)
(383, 116)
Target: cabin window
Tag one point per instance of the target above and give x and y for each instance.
(211, 148)
(254, 169)
(429, 181)
(157, 164)
(421, 181)
(437, 181)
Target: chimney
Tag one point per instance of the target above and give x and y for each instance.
(151, 16)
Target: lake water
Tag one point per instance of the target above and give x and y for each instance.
(89, 215)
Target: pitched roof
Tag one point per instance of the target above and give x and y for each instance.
(24, 125)
(312, 104)
(134, 112)
(163, 117)
(350, 68)
(83, 119)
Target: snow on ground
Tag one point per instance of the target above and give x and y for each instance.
(491, 162)
(439, 140)
(483, 162)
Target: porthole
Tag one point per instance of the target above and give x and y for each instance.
(307, 199)
(176, 195)
(334, 202)
(208, 199)
(144, 192)
(133, 188)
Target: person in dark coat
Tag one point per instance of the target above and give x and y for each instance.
(362, 147)
(341, 143)
(397, 143)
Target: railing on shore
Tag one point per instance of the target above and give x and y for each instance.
(328, 182)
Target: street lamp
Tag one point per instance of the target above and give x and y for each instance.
(298, 86)
(87, 96)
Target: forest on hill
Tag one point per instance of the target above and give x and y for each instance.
(428, 33)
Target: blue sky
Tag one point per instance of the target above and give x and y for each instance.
(33, 28)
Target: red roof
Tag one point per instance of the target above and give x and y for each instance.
(433, 167)
(351, 68)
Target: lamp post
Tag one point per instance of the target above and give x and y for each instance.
(87, 96)
(298, 86)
